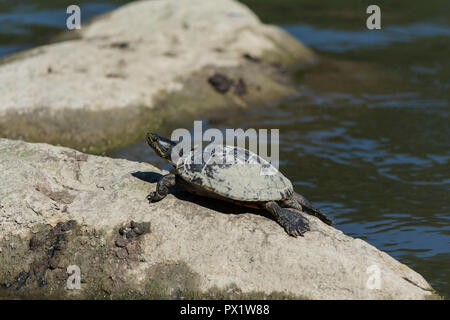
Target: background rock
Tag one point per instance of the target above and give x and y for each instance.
(97, 90)
(60, 207)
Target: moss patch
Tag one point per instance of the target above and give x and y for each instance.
(35, 267)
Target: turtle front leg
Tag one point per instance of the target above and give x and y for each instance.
(294, 223)
(162, 188)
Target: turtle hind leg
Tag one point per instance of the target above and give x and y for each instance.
(299, 202)
(162, 188)
(294, 224)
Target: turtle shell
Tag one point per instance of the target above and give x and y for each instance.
(233, 173)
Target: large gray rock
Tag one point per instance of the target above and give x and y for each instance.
(60, 207)
(97, 90)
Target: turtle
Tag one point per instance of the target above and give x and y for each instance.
(242, 177)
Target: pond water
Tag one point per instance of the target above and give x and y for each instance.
(366, 138)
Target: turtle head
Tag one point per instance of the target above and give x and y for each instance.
(162, 146)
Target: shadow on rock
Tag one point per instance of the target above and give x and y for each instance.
(151, 177)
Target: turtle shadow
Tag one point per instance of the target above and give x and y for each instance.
(151, 177)
(213, 204)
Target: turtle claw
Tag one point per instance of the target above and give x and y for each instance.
(152, 197)
(296, 225)
(292, 221)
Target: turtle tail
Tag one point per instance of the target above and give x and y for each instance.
(322, 216)
(310, 209)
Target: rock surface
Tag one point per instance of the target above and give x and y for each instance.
(60, 207)
(143, 55)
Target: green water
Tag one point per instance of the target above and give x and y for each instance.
(367, 136)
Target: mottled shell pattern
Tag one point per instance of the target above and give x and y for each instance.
(234, 173)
